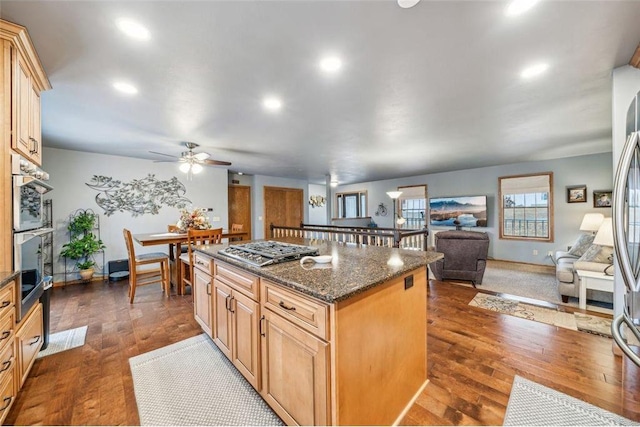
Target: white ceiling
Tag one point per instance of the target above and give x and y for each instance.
(422, 90)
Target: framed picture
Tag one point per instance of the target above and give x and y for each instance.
(602, 198)
(577, 194)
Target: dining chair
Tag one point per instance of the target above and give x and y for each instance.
(236, 228)
(211, 236)
(146, 277)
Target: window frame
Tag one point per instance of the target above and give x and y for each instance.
(502, 183)
(361, 204)
(405, 196)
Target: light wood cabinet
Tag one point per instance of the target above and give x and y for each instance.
(295, 369)
(29, 339)
(237, 320)
(201, 288)
(8, 386)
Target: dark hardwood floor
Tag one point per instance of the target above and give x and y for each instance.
(473, 355)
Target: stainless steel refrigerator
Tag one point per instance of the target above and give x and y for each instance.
(626, 231)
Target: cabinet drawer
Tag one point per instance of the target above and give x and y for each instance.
(7, 394)
(29, 342)
(239, 280)
(308, 314)
(202, 262)
(7, 328)
(7, 298)
(7, 361)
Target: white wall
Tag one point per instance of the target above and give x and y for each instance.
(317, 215)
(626, 84)
(594, 171)
(71, 170)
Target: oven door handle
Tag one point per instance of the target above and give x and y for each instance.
(28, 235)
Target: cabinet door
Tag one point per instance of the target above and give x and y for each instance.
(23, 95)
(29, 342)
(221, 326)
(35, 132)
(202, 300)
(295, 372)
(245, 338)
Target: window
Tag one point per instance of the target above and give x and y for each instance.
(526, 204)
(351, 205)
(413, 206)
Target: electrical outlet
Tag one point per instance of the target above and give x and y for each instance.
(216, 219)
(535, 252)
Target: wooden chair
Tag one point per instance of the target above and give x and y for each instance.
(236, 228)
(140, 278)
(212, 236)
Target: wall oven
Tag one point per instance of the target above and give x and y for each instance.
(28, 259)
(29, 187)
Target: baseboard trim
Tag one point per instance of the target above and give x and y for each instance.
(410, 404)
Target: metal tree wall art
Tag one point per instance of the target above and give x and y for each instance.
(140, 196)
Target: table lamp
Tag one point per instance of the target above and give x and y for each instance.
(604, 237)
(591, 222)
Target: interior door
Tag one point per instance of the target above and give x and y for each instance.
(282, 206)
(240, 207)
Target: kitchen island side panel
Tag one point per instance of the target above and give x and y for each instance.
(381, 351)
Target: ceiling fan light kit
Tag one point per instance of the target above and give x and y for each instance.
(192, 162)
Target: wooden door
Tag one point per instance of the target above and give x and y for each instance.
(246, 337)
(23, 97)
(240, 207)
(35, 133)
(201, 290)
(295, 372)
(221, 326)
(282, 206)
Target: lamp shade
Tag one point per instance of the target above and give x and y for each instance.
(591, 222)
(394, 194)
(604, 236)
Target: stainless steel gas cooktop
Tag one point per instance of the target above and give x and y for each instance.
(267, 252)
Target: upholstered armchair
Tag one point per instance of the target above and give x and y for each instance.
(465, 255)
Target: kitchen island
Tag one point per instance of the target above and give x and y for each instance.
(342, 343)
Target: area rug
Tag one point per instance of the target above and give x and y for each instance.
(533, 404)
(528, 281)
(575, 321)
(64, 340)
(192, 383)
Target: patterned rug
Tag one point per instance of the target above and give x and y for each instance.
(575, 321)
(65, 340)
(533, 404)
(192, 383)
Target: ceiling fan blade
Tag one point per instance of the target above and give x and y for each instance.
(162, 154)
(216, 163)
(202, 156)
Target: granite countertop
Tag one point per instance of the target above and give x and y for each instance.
(6, 277)
(354, 268)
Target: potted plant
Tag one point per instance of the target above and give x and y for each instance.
(83, 244)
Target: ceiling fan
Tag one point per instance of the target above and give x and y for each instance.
(191, 161)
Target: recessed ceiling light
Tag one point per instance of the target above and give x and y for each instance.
(334, 183)
(516, 7)
(272, 103)
(240, 173)
(125, 87)
(331, 64)
(534, 70)
(133, 29)
(406, 4)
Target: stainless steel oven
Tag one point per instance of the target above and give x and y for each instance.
(28, 259)
(29, 187)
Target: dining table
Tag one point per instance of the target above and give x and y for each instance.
(176, 240)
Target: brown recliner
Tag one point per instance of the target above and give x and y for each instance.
(465, 255)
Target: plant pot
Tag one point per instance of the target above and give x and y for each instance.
(86, 274)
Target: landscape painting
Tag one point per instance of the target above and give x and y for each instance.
(469, 211)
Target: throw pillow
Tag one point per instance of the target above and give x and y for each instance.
(596, 253)
(581, 245)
